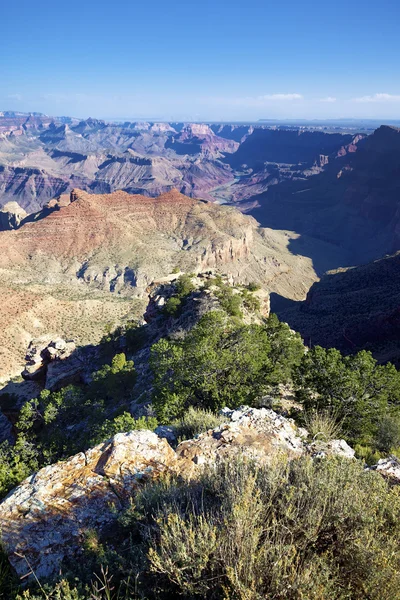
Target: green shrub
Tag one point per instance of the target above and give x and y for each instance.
(172, 306)
(252, 303)
(315, 530)
(121, 424)
(286, 349)
(230, 302)
(184, 286)
(360, 390)
(219, 363)
(388, 433)
(253, 286)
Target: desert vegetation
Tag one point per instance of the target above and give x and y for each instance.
(291, 529)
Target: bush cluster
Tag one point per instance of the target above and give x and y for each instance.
(183, 288)
(58, 424)
(296, 530)
(221, 362)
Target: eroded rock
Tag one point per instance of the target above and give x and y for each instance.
(46, 360)
(11, 216)
(43, 521)
(389, 468)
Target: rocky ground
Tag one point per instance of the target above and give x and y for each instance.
(43, 521)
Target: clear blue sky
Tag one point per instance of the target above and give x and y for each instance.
(199, 60)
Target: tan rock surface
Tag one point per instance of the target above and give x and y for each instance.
(44, 520)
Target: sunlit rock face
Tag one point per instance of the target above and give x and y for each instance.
(43, 521)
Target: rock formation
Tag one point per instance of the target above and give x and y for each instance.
(11, 216)
(389, 468)
(352, 204)
(46, 361)
(79, 267)
(44, 520)
(42, 157)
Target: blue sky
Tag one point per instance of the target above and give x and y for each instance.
(208, 60)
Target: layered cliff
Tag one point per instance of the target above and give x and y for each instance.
(83, 265)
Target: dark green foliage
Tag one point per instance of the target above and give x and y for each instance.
(300, 530)
(115, 380)
(59, 424)
(388, 433)
(229, 301)
(253, 286)
(16, 463)
(184, 286)
(135, 336)
(172, 306)
(357, 387)
(286, 349)
(219, 362)
(252, 303)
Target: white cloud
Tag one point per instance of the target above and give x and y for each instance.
(15, 97)
(329, 99)
(378, 98)
(281, 97)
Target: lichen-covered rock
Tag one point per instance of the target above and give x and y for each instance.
(43, 521)
(320, 449)
(389, 468)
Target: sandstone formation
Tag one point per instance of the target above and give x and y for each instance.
(11, 216)
(42, 157)
(119, 242)
(84, 265)
(44, 520)
(46, 361)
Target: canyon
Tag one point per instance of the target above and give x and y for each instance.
(85, 264)
(93, 212)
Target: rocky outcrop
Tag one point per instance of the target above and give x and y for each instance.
(389, 468)
(46, 361)
(130, 240)
(197, 138)
(103, 248)
(11, 216)
(44, 520)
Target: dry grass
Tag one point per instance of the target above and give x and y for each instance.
(323, 425)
